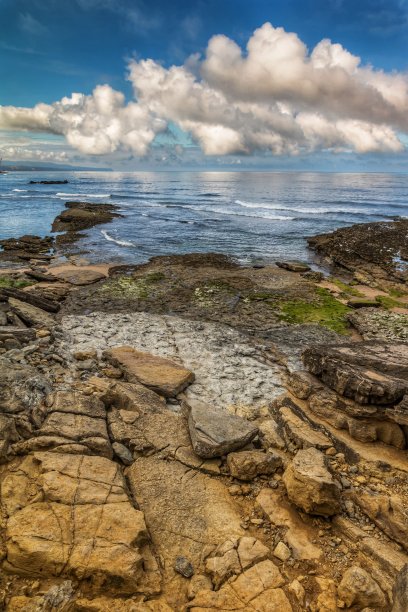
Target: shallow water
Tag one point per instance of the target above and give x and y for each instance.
(255, 216)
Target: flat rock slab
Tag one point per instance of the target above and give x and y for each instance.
(215, 432)
(368, 372)
(293, 266)
(187, 512)
(132, 397)
(161, 375)
(80, 277)
(32, 315)
(84, 524)
(297, 430)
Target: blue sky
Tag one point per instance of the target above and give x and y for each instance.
(51, 48)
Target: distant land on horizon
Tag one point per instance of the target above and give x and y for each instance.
(24, 167)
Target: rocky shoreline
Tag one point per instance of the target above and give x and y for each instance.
(191, 434)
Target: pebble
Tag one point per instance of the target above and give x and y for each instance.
(184, 567)
(282, 551)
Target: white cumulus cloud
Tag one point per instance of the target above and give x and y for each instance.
(273, 96)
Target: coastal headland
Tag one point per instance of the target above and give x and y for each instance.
(194, 434)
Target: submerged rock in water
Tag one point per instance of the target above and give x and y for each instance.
(83, 215)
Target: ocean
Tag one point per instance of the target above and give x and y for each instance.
(254, 216)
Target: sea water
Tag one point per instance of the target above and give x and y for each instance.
(254, 216)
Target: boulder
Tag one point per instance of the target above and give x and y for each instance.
(269, 434)
(158, 374)
(357, 588)
(310, 485)
(247, 465)
(369, 372)
(215, 432)
(333, 409)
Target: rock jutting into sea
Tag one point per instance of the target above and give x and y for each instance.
(193, 434)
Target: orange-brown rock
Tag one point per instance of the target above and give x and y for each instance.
(161, 375)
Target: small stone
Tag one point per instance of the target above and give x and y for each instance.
(331, 452)
(42, 333)
(298, 591)
(282, 551)
(123, 453)
(184, 567)
(345, 483)
(234, 490)
(112, 373)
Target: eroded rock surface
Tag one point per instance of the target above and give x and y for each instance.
(368, 372)
(72, 515)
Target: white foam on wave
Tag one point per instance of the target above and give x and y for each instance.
(233, 213)
(312, 211)
(20, 190)
(61, 194)
(110, 238)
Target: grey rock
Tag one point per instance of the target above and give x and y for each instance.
(123, 453)
(184, 567)
(215, 433)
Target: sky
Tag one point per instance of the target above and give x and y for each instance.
(219, 84)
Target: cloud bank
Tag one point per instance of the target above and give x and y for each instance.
(274, 96)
